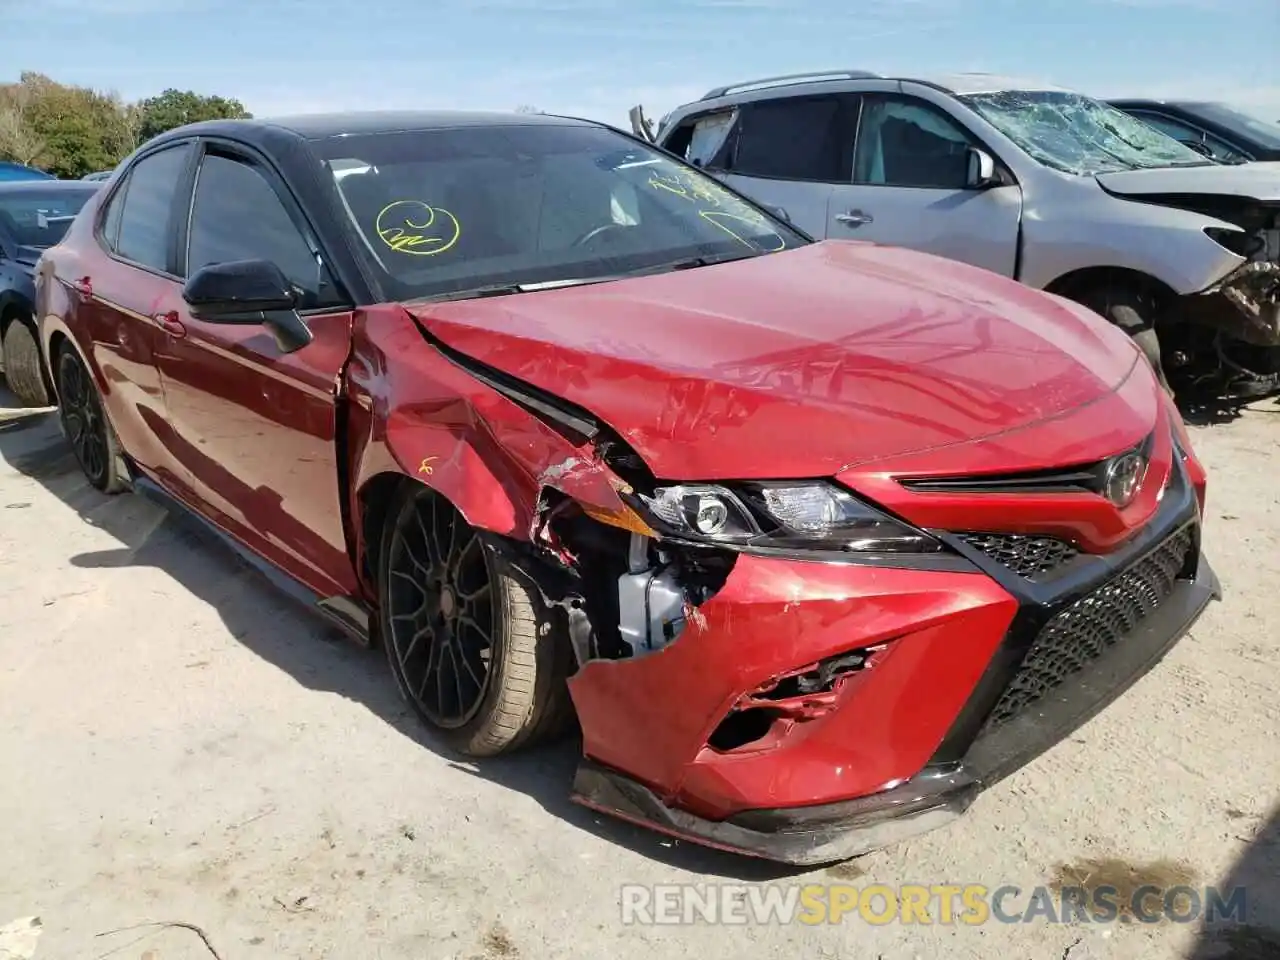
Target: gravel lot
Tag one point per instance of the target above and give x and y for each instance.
(181, 744)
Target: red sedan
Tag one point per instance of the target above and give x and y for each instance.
(817, 540)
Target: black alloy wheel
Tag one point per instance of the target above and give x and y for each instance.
(85, 424)
(468, 640)
(441, 614)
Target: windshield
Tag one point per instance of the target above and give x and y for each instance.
(451, 210)
(39, 218)
(1264, 132)
(1077, 134)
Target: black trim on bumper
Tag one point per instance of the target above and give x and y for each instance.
(1040, 602)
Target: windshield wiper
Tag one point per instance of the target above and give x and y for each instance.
(506, 289)
(690, 262)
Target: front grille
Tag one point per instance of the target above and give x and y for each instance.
(1086, 629)
(1027, 556)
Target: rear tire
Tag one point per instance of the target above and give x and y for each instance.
(469, 641)
(22, 367)
(1133, 311)
(86, 427)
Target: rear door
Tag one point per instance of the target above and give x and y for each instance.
(788, 153)
(257, 426)
(909, 187)
(119, 289)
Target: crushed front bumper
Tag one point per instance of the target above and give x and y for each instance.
(905, 745)
(940, 793)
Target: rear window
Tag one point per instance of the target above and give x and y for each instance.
(39, 218)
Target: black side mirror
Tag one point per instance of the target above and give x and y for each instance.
(980, 174)
(248, 291)
(1198, 147)
(779, 212)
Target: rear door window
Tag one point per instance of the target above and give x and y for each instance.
(792, 138)
(146, 216)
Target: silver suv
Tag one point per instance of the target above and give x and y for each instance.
(1058, 190)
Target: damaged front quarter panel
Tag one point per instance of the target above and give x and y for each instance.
(539, 476)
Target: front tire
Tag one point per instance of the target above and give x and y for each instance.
(22, 367)
(85, 424)
(468, 640)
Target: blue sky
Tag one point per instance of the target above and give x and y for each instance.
(597, 57)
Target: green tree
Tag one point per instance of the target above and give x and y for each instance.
(173, 108)
(80, 130)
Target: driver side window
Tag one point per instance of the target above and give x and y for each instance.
(237, 215)
(905, 142)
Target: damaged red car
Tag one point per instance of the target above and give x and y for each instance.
(815, 540)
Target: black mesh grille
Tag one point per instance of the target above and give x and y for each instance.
(1084, 631)
(1027, 556)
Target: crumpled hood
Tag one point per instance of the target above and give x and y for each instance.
(1255, 181)
(798, 363)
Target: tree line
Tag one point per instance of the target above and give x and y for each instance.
(70, 131)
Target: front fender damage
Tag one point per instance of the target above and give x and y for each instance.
(543, 481)
(1253, 289)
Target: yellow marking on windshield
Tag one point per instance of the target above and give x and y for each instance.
(417, 228)
(687, 186)
(701, 191)
(717, 218)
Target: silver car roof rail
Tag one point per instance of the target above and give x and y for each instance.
(789, 78)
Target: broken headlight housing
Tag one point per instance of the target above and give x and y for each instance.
(796, 516)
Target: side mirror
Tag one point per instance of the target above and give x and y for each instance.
(980, 173)
(238, 290)
(1198, 147)
(779, 212)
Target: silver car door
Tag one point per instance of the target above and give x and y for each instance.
(922, 180)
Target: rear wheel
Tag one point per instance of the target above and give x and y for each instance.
(468, 640)
(85, 424)
(22, 368)
(1133, 311)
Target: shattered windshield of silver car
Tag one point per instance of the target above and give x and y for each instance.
(1080, 135)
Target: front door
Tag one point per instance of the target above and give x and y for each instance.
(909, 188)
(256, 425)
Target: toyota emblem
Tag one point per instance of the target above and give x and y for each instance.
(1124, 476)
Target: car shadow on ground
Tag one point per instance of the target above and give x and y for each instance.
(306, 647)
(1256, 936)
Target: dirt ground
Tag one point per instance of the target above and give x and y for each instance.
(181, 744)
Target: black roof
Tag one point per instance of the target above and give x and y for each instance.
(44, 186)
(321, 126)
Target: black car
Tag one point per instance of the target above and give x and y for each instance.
(1215, 129)
(34, 214)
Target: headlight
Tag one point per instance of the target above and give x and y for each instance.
(787, 516)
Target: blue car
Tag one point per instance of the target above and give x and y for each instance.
(10, 171)
(34, 215)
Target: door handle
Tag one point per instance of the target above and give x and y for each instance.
(855, 218)
(170, 323)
